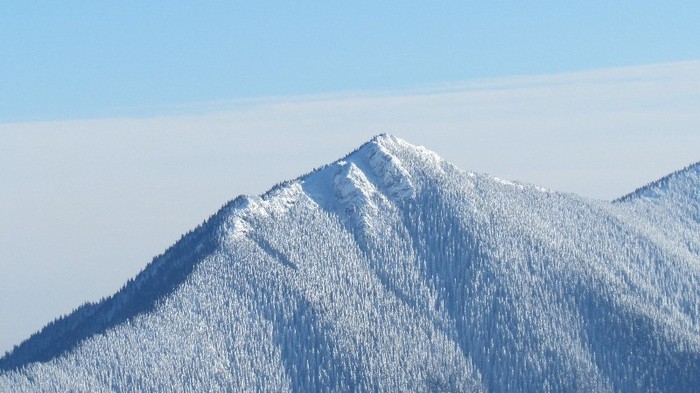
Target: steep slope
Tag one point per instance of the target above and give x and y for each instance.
(393, 270)
(669, 209)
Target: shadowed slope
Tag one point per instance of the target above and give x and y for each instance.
(139, 295)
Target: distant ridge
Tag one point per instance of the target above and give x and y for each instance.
(662, 183)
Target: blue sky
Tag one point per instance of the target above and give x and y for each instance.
(125, 124)
(87, 59)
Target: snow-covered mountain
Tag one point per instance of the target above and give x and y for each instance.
(393, 270)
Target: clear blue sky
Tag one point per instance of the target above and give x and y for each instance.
(91, 59)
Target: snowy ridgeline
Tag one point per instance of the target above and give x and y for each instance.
(393, 270)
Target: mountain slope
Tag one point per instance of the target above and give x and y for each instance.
(669, 210)
(393, 270)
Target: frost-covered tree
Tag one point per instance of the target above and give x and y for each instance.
(393, 270)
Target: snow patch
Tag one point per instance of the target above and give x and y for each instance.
(280, 199)
(508, 183)
(395, 180)
(353, 189)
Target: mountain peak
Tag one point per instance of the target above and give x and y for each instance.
(386, 137)
(384, 143)
(392, 270)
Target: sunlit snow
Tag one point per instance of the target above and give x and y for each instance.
(392, 270)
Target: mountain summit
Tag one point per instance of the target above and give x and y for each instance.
(393, 270)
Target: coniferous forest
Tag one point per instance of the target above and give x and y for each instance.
(393, 270)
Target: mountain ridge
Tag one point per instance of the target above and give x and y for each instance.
(654, 188)
(393, 269)
(105, 307)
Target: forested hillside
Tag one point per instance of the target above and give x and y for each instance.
(393, 270)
